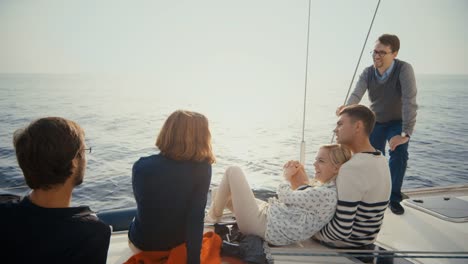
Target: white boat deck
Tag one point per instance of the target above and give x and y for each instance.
(119, 251)
(417, 231)
(413, 231)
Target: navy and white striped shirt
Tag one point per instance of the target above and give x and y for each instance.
(364, 186)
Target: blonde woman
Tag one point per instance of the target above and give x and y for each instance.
(301, 209)
(171, 187)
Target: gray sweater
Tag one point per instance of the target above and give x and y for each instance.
(391, 99)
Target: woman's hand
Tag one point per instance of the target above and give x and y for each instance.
(299, 179)
(290, 168)
(295, 173)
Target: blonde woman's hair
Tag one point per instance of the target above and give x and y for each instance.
(338, 154)
(186, 136)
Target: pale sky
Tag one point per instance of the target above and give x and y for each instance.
(223, 39)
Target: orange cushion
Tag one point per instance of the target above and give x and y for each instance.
(210, 253)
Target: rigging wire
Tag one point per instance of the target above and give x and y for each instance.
(358, 62)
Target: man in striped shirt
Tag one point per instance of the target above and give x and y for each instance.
(363, 184)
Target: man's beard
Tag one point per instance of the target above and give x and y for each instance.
(79, 173)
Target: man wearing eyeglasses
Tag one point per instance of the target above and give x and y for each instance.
(391, 87)
(42, 227)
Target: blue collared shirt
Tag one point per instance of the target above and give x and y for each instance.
(385, 75)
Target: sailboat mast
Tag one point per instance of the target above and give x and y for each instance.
(302, 154)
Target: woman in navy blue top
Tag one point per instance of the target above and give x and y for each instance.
(171, 187)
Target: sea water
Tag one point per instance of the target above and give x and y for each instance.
(256, 129)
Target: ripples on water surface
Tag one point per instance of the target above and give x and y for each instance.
(256, 130)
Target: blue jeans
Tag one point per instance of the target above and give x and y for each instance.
(382, 133)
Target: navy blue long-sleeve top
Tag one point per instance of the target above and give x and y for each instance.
(171, 198)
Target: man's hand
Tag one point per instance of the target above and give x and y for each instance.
(338, 110)
(397, 141)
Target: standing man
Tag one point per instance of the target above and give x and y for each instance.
(391, 87)
(42, 227)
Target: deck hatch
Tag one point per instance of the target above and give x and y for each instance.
(447, 208)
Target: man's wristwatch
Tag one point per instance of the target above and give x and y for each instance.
(403, 134)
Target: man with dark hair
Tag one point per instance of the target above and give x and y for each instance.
(42, 227)
(363, 184)
(391, 87)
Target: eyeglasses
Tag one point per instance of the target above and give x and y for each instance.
(88, 150)
(380, 53)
